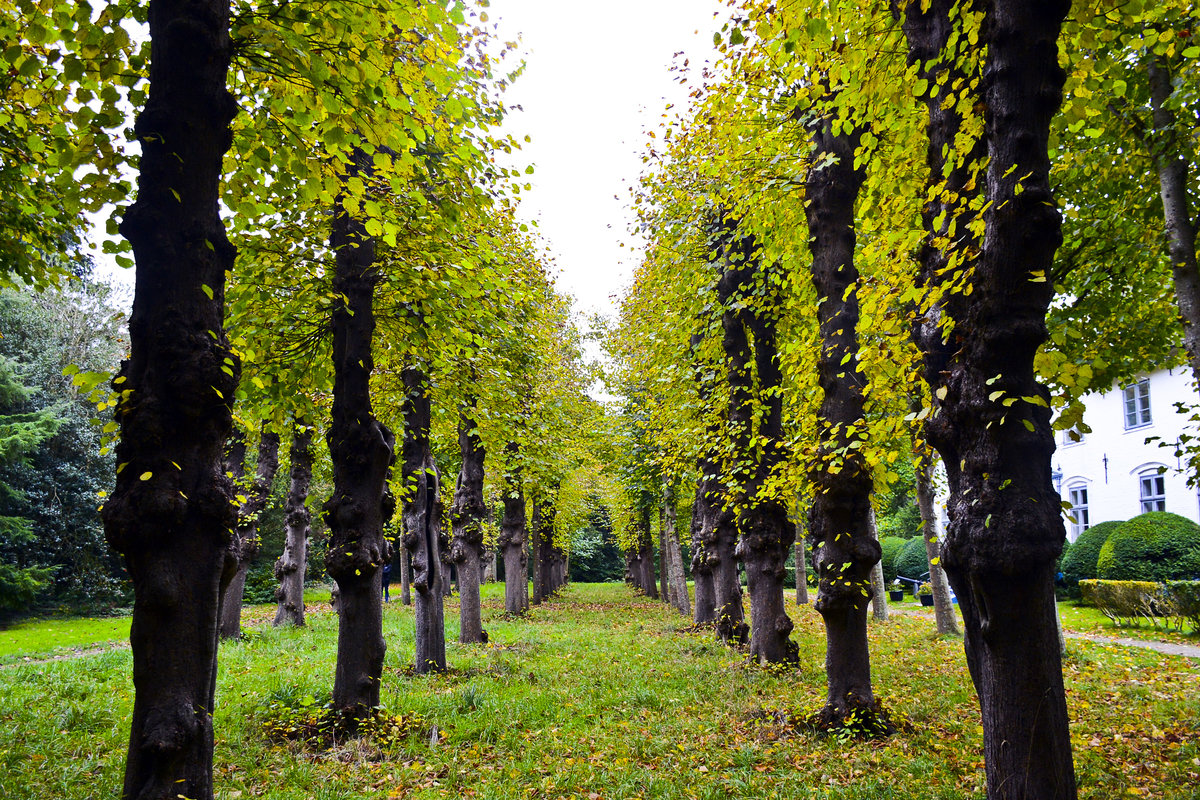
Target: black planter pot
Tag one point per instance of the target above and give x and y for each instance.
(897, 595)
(926, 599)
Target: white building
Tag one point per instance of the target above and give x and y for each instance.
(1112, 473)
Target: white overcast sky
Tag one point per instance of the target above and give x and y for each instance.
(596, 78)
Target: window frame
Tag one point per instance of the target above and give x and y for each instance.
(1135, 398)
(1079, 516)
(1156, 480)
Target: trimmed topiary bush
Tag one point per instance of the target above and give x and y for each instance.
(1156, 546)
(891, 546)
(912, 561)
(1079, 562)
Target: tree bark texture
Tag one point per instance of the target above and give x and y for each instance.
(511, 541)
(991, 420)
(292, 565)
(675, 579)
(645, 553)
(761, 519)
(537, 546)
(467, 513)
(705, 610)
(362, 451)
(405, 577)
(947, 622)
(243, 545)
(840, 517)
(171, 513)
(664, 558)
(1172, 168)
(422, 526)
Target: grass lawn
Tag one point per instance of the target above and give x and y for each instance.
(60, 636)
(601, 695)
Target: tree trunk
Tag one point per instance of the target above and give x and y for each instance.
(467, 514)
(646, 554)
(947, 622)
(840, 522)
(1005, 532)
(702, 571)
(171, 510)
(664, 558)
(362, 451)
(243, 545)
(1172, 169)
(511, 541)
(676, 579)
(765, 535)
(536, 546)
(422, 528)
(879, 607)
(292, 565)
(801, 566)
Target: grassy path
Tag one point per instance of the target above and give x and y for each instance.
(599, 694)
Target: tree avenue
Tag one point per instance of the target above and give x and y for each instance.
(854, 235)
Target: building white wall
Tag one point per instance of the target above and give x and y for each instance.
(1110, 460)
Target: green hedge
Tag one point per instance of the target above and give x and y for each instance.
(1079, 562)
(912, 562)
(1184, 597)
(891, 546)
(1125, 602)
(1156, 546)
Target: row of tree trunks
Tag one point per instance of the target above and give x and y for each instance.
(292, 565)
(645, 553)
(422, 530)
(362, 451)
(840, 517)
(466, 547)
(705, 503)
(243, 545)
(759, 519)
(171, 511)
(1005, 531)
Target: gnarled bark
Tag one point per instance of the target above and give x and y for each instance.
(362, 451)
(422, 527)
(840, 518)
(171, 510)
(292, 565)
(466, 547)
(1005, 531)
(675, 579)
(243, 545)
(702, 571)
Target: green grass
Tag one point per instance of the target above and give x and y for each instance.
(600, 693)
(1086, 619)
(50, 636)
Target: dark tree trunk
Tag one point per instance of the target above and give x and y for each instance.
(645, 554)
(535, 551)
(171, 510)
(1172, 169)
(731, 624)
(511, 541)
(675, 579)
(801, 566)
(705, 610)
(1005, 532)
(664, 558)
(362, 451)
(291, 566)
(243, 545)
(544, 550)
(466, 548)
(422, 525)
(947, 622)
(762, 523)
(840, 518)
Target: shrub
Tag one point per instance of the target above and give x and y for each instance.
(1156, 546)
(1079, 561)
(1184, 597)
(891, 546)
(1124, 602)
(912, 561)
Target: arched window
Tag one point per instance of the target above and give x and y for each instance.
(1153, 490)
